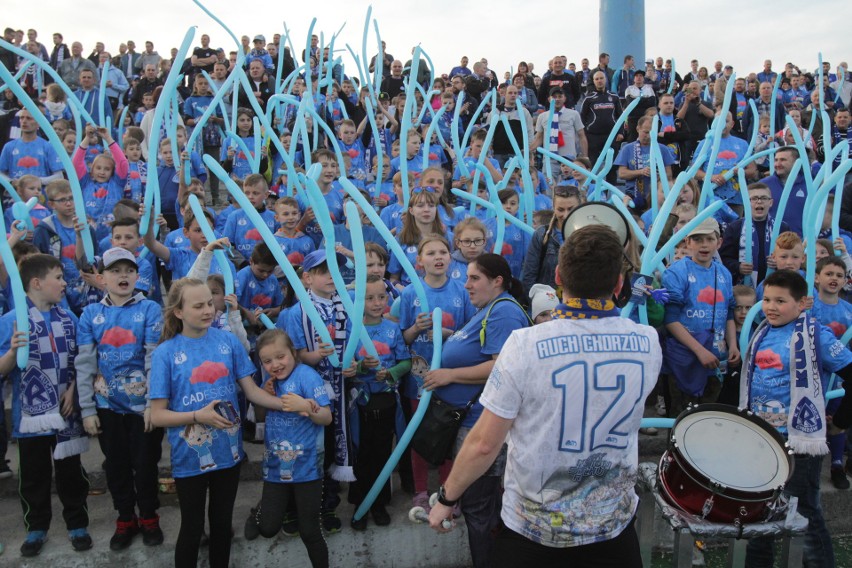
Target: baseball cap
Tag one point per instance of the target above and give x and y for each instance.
(117, 254)
(556, 91)
(383, 96)
(260, 37)
(649, 62)
(729, 66)
(639, 72)
(314, 259)
(543, 299)
(706, 227)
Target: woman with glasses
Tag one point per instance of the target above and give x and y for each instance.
(543, 253)
(466, 361)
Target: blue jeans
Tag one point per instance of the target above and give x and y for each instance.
(804, 484)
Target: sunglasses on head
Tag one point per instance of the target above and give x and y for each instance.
(427, 189)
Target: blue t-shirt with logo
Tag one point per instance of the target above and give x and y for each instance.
(254, 293)
(770, 382)
(242, 232)
(334, 201)
(465, 349)
(837, 317)
(120, 334)
(295, 248)
(36, 158)
(731, 151)
(191, 373)
(182, 259)
(456, 310)
(391, 349)
(515, 244)
(343, 237)
(294, 444)
(702, 299)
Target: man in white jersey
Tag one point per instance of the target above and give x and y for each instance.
(571, 425)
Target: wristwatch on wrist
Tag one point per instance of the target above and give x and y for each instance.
(442, 498)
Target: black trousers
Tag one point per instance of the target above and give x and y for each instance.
(131, 462)
(377, 420)
(36, 467)
(513, 550)
(193, 496)
(275, 502)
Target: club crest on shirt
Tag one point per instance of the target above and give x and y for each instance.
(180, 358)
(98, 319)
(224, 349)
(138, 317)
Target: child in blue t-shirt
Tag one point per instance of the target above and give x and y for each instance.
(233, 157)
(315, 352)
(194, 376)
(103, 185)
(45, 416)
(700, 320)
(790, 345)
(295, 450)
(179, 260)
(28, 186)
(333, 199)
(295, 244)
(515, 240)
(835, 314)
(376, 381)
(116, 338)
(257, 287)
(416, 324)
(239, 228)
(414, 161)
(137, 171)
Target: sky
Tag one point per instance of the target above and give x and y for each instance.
(737, 32)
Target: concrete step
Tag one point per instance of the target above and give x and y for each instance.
(402, 544)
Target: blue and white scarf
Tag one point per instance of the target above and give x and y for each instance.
(806, 426)
(555, 135)
(49, 374)
(333, 310)
(767, 236)
(581, 308)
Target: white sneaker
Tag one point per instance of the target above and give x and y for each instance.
(660, 406)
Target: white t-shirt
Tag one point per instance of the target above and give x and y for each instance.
(570, 124)
(573, 451)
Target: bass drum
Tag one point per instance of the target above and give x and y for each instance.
(724, 465)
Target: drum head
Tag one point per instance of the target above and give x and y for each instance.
(732, 450)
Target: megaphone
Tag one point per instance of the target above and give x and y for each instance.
(597, 213)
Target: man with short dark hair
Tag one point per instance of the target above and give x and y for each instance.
(559, 78)
(129, 59)
(556, 416)
(785, 157)
(203, 57)
(60, 51)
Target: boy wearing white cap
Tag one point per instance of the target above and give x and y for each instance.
(700, 320)
(116, 338)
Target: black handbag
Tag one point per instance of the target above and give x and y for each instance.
(436, 435)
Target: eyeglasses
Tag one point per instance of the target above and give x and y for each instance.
(471, 242)
(427, 189)
(759, 198)
(63, 200)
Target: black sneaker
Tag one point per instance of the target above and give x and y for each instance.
(838, 478)
(33, 544)
(152, 534)
(331, 523)
(290, 526)
(124, 533)
(360, 524)
(80, 539)
(380, 515)
(5, 472)
(251, 530)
